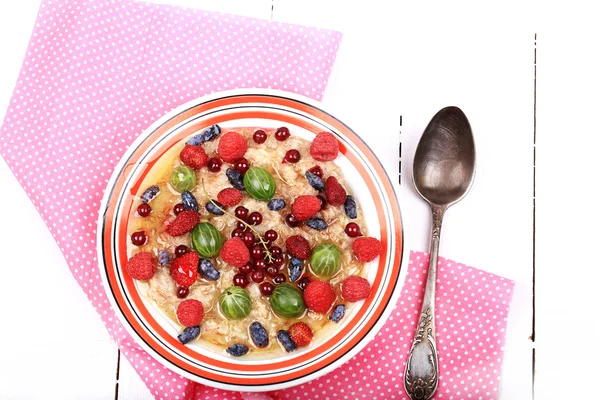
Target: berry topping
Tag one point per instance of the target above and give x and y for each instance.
(266, 288)
(279, 279)
(276, 204)
(295, 269)
(366, 249)
(255, 218)
(285, 339)
(214, 164)
(318, 224)
(237, 232)
(208, 270)
(249, 239)
(182, 292)
(298, 247)
(319, 296)
(144, 210)
(190, 312)
(189, 334)
(238, 350)
(305, 206)
(278, 261)
(193, 156)
(350, 207)
(184, 222)
(271, 235)
(178, 208)
(324, 147)
(315, 181)
(181, 250)
(338, 313)
(257, 252)
(150, 193)
(247, 268)
(163, 257)
(301, 334)
(232, 146)
(260, 264)
(240, 280)
(235, 252)
(276, 251)
(303, 283)
(229, 197)
(272, 271)
(353, 230)
(291, 221)
(323, 202)
(189, 201)
(241, 165)
(257, 276)
(209, 134)
(185, 269)
(241, 212)
(291, 156)
(259, 334)
(259, 136)
(141, 266)
(214, 207)
(139, 238)
(316, 170)
(335, 193)
(355, 288)
(235, 178)
(281, 134)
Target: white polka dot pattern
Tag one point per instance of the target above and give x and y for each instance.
(96, 74)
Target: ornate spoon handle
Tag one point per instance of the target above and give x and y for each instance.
(421, 373)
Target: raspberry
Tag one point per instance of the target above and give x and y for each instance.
(306, 206)
(184, 222)
(298, 247)
(366, 249)
(324, 147)
(335, 193)
(140, 266)
(194, 156)
(190, 312)
(229, 197)
(301, 334)
(185, 269)
(319, 296)
(356, 288)
(235, 252)
(232, 146)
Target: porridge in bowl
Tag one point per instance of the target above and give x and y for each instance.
(250, 240)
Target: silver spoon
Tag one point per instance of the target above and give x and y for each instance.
(443, 172)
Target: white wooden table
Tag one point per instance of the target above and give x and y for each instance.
(396, 59)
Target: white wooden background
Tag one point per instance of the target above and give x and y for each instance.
(396, 58)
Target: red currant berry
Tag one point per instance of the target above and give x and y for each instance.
(241, 165)
(257, 276)
(260, 136)
(241, 212)
(276, 251)
(241, 226)
(271, 235)
(257, 252)
(237, 233)
(266, 288)
(291, 221)
(138, 238)
(214, 164)
(178, 208)
(144, 210)
(303, 283)
(353, 230)
(323, 202)
(255, 218)
(279, 279)
(316, 170)
(282, 133)
(240, 280)
(272, 271)
(278, 261)
(249, 239)
(182, 292)
(247, 268)
(291, 156)
(260, 264)
(180, 250)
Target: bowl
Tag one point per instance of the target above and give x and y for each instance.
(157, 334)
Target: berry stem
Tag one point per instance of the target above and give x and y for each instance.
(268, 254)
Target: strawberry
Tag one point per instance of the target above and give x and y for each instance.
(319, 296)
(335, 193)
(301, 334)
(366, 249)
(355, 288)
(298, 247)
(184, 222)
(190, 312)
(185, 269)
(141, 266)
(194, 156)
(229, 197)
